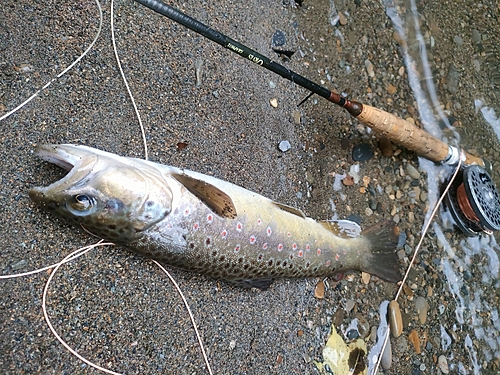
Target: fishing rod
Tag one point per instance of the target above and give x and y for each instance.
(475, 202)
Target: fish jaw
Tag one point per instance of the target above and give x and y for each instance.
(102, 192)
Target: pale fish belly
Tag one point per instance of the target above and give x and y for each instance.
(261, 243)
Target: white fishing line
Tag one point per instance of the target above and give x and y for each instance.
(64, 71)
(115, 50)
(126, 83)
(48, 267)
(417, 248)
(73, 255)
(190, 315)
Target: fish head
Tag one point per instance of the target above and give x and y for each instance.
(110, 196)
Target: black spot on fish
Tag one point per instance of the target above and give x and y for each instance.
(214, 253)
(112, 226)
(114, 205)
(270, 263)
(246, 266)
(191, 245)
(222, 258)
(150, 203)
(308, 264)
(207, 241)
(284, 263)
(260, 257)
(240, 260)
(291, 256)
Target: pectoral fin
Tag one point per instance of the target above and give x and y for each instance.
(214, 198)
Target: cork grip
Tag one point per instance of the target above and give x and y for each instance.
(408, 135)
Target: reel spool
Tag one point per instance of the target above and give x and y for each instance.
(474, 202)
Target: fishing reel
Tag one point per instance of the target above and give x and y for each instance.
(474, 202)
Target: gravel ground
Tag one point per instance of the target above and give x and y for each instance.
(116, 308)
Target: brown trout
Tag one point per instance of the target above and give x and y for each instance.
(205, 225)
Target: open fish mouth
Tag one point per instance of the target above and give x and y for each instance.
(78, 161)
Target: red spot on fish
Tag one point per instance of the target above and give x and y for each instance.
(308, 247)
(318, 252)
(294, 246)
(264, 246)
(170, 226)
(208, 241)
(223, 234)
(280, 247)
(239, 226)
(210, 218)
(300, 254)
(259, 222)
(187, 211)
(196, 226)
(237, 248)
(337, 257)
(328, 263)
(289, 234)
(269, 231)
(252, 239)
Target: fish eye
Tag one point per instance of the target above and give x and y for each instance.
(80, 204)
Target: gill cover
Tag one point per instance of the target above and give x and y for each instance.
(109, 195)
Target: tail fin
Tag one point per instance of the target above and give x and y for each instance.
(382, 260)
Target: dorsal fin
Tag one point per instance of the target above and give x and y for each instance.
(342, 228)
(289, 209)
(214, 198)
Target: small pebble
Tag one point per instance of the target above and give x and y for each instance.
(279, 38)
(284, 146)
(423, 197)
(412, 172)
(348, 180)
(273, 102)
(458, 39)
(452, 79)
(386, 359)
(342, 19)
(362, 152)
(365, 277)
(319, 290)
(352, 334)
(385, 146)
(349, 305)
(296, 117)
(415, 340)
(443, 364)
(391, 89)
(369, 68)
(476, 36)
(422, 307)
(395, 319)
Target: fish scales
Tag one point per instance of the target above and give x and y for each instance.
(206, 225)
